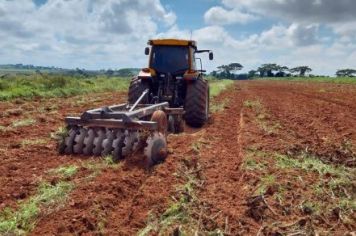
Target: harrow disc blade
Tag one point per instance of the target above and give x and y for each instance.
(118, 144)
(98, 140)
(79, 141)
(130, 142)
(88, 142)
(69, 140)
(107, 143)
(156, 150)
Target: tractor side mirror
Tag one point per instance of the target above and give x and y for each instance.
(211, 56)
(147, 51)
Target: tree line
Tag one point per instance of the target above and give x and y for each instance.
(270, 70)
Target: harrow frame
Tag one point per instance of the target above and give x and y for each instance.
(123, 116)
(121, 130)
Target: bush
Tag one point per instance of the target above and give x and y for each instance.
(57, 86)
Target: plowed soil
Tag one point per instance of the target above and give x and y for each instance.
(266, 117)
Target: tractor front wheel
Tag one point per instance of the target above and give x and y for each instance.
(137, 87)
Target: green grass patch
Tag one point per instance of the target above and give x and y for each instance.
(262, 116)
(22, 123)
(2, 129)
(336, 181)
(181, 215)
(218, 107)
(217, 86)
(30, 142)
(311, 207)
(323, 189)
(30, 86)
(264, 183)
(65, 171)
(310, 163)
(199, 144)
(59, 134)
(253, 104)
(254, 160)
(336, 80)
(23, 220)
(48, 198)
(178, 213)
(96, 166)
(252, 164)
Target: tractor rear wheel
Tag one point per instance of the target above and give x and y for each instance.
(137, 87)
(197, 103)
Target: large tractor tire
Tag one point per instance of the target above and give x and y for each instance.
(197, 103)
(137, 87)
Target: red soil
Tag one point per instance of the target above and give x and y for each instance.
(319, 118)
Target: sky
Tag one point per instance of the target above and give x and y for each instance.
(102, 34)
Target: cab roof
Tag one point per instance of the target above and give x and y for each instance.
(172, 42)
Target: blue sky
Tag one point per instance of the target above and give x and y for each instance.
(96, 34)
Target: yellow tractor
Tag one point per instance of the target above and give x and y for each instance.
(172, 76)
(161, 97)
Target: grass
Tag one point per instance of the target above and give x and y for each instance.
(254, 104)
(23, 123)
(217, 86)
(335, 180)
(338, 80)
(31, 86)
(327, 188)
(262, 117)
(180, 216)
(23, 220)
(30, 142)
(310, 207)
(59, 134)
(252, 164)
(310, 163)
(97, 166)
(217, 107)
(47, 199)
(2, 129)
(199, 144)
(178, 213)
(265, 182)
(66, 171)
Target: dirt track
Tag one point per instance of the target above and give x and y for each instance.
(289, 118)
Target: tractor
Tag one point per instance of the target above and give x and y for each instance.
(171, 91)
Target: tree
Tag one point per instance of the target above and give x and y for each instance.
(228, 71)
(267, 69)
(252, 73)
(281, 71)
(109, 72)
(81, 72)
(234, 67)
(214, 73)
(345, 72)
(301, 70)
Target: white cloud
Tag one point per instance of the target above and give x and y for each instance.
(292, 45)
(222, 16)
(338, 15)
(303, 11)
(93, 32)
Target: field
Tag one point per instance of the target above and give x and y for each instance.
(275, 158)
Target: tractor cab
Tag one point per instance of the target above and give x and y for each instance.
(174, 57)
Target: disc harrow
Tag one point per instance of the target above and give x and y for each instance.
(120, 131)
